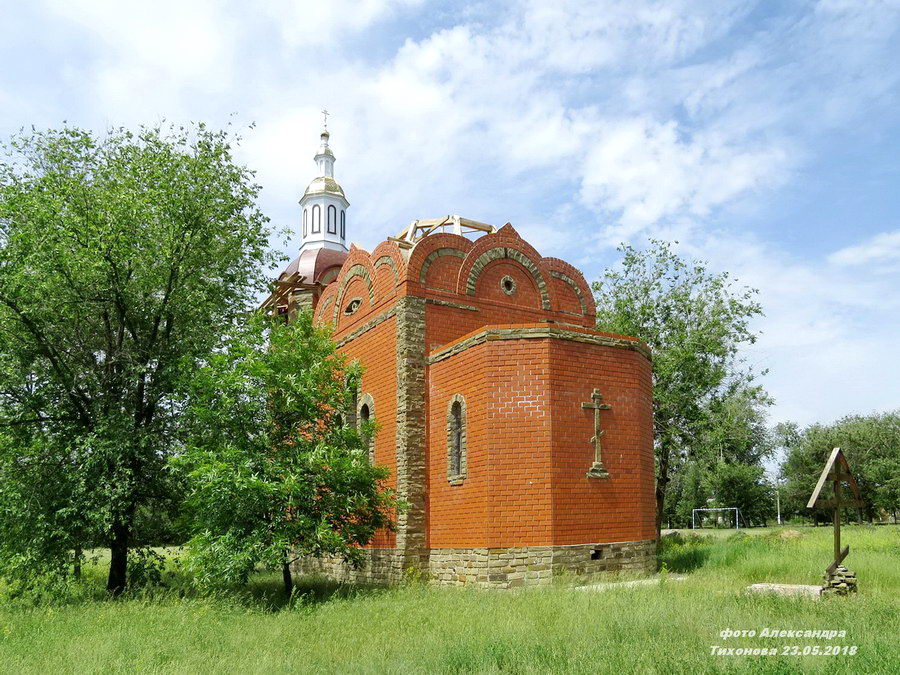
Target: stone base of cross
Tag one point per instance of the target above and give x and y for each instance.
(839, 582)
(597, 470)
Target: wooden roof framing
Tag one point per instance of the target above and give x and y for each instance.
(283, 290)
(454, 223)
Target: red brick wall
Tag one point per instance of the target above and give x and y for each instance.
(621, 507)
(457, 514)
(529, 446)
(528, 437)
(518, 413)
(377, 350)
(526, 292)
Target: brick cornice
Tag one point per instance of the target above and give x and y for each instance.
(456, 305)
(537, 332)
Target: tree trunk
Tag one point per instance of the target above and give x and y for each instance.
(118, 562)
(76, 563)
(662, 480)
(660, 503)
(288, 579)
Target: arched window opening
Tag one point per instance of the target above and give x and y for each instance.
(305, 217)
(343, 228)
(316, 219)
(332, 219)
(456, 440)
(367, 414)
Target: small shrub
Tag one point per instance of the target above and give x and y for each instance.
(145, 568)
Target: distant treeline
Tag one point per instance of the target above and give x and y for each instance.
(871, 444)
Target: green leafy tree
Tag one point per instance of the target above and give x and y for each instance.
(735, 428)
(274, 471)
(743, 486)
(871, 444)
(695, 322)
(122, 257)
(692, 493)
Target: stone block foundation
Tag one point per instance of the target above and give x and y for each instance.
(380, 566)
(499, 567)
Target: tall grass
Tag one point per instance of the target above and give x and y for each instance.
(661, 628)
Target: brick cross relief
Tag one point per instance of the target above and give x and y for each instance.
(597, 469)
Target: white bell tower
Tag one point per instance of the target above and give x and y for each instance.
(323, 205)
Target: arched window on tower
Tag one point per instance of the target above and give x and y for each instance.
(316, 219)
(332, 219)
(305, 215)
(343, 228)
(456, 440)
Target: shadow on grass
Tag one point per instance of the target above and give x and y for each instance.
(683, 553)
(266, 591)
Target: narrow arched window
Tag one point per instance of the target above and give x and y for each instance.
(305, 215)
(316, 219)
(332, 219)
(343, 227)
(366, 415)
(456, 440)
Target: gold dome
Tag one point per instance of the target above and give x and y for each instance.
(325, 185)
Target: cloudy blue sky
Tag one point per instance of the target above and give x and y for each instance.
(763, 136)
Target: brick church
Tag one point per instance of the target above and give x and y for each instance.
(521, 437)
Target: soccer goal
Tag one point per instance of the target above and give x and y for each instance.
(694, 519)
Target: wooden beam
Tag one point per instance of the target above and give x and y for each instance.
(426, 226)
(402, 243)
(824, 477)
(833, 566)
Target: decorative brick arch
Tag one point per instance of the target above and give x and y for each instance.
(574, 285)
(389, 261)
(357, 270)
(434, 255)
(325, 302)
(423, 249)
(572, 277)
(509, 253)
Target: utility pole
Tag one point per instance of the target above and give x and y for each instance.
(778, 500)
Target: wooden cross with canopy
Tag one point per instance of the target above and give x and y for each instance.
(836, 472)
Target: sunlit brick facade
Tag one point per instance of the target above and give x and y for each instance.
(506, 336)
(520, 437)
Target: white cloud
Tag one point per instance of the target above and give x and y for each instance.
(650, 171)
(308, 23)
(146, 58)
(882, 249)
(824, 338)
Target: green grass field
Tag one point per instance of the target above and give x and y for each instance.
(667, 627)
